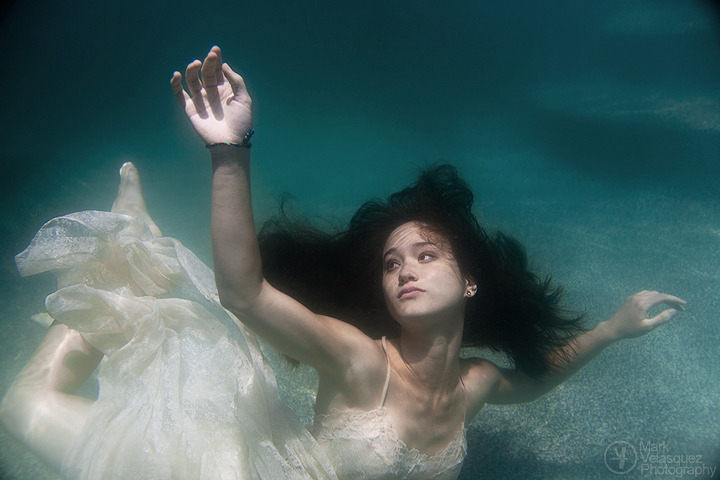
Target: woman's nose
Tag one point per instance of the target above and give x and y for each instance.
(406, 274)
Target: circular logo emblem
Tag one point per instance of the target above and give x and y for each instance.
(620, 457)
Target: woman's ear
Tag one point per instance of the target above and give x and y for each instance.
(470, 287)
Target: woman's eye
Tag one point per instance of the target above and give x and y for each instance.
(391, 265)
(426, 256)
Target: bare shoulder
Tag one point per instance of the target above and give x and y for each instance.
(369, 370)
(479, 371)
(481, 378)
(370, 360)
(362, 381)
(362, 356)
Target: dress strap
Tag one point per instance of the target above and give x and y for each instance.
(465, 398)
(387, 378)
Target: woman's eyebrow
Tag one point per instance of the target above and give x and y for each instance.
(414, 245)
(389, 252)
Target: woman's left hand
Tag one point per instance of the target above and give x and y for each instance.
(632, 319)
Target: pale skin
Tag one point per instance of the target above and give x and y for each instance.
(426, 394)
(40, 409)
(432, 391)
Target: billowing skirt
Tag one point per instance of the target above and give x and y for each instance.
(184, 390)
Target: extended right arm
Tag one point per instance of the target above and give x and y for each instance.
(219, 109)
(236, 255)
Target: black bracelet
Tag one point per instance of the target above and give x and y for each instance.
(245, 143)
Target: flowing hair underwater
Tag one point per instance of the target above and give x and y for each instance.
(340, 273)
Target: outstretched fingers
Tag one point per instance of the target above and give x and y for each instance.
(177, 89)
(218, 65)
(195, 96)
(192, 79)
(214, 99)
(209, 75)
(199, 75)
(634, 319)
(195, 87)
(661, 318)
(655, 298)
(211, 71)
(236, 83)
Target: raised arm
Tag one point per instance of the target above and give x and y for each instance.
(631, 320)
(219, 108)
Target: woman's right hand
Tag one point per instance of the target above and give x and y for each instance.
(218, 104)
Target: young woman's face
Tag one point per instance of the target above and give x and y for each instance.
(421, 278)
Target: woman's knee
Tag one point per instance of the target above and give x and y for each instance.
(62, 362)
(46, 422)
(39, 409)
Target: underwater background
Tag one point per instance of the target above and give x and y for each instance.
(588, 129)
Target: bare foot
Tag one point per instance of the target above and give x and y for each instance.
(129, 200)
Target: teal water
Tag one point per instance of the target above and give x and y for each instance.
(588, 129)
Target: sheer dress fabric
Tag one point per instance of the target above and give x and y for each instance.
(185, 392)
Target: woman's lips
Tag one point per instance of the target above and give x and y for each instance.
(410, 292)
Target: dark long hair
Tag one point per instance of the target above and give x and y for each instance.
(340, 273)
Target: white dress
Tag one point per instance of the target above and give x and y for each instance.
(185, 392)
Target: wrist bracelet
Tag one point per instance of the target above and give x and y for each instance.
(245, 143)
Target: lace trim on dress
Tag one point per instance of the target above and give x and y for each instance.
(358, 439)
(352, 424)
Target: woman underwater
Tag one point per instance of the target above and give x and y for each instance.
(380, 310)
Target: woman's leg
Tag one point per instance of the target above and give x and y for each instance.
(129, 200)
(39, 409)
